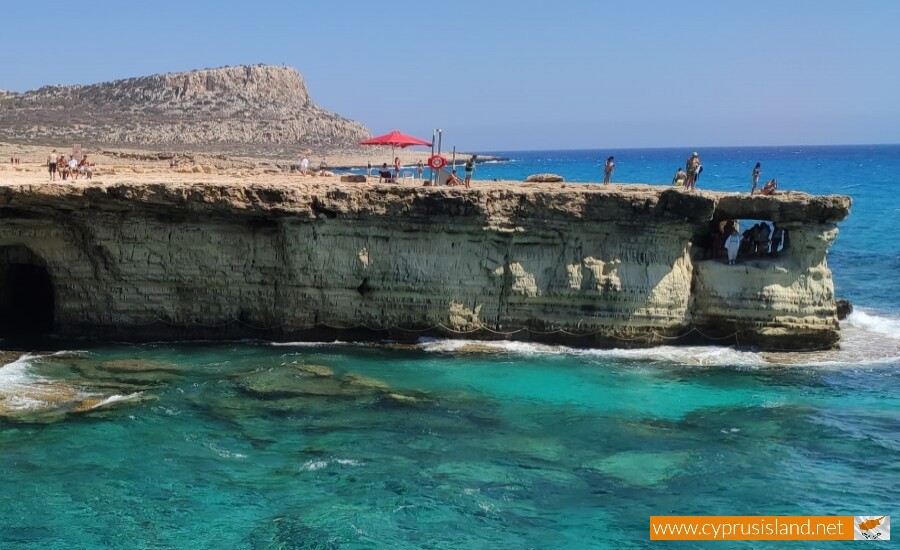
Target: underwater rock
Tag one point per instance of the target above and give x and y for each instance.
(286, 383)
(404, 399)
(641, 468)
(364, 382)
(137, 365)
(316, 370)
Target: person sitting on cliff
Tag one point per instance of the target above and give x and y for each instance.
(62, 167)
(769, 188)
(323, 168)
(454, 180)
(680, 177)
(85, 168)
(73, 168)
(384, 175)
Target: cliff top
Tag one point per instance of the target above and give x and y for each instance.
(499, 203)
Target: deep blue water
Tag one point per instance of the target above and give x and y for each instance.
(440, 445)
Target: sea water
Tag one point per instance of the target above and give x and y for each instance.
(456, 444)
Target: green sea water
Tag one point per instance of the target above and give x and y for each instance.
(440, 445)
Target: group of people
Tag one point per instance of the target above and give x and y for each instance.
(58, 165)
(304, 169)
(688, 176)
(14, 161)
(767, 189)
(759, 240)
(392, 175)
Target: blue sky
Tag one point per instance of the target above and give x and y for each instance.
(512, 75)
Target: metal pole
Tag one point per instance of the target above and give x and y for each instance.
(440, 141)
(454, 157)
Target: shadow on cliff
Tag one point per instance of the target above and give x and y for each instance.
(27, 294)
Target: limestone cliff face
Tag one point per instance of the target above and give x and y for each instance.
(581, 265)
(261, 106)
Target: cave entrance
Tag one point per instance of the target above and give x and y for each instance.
(27, 296)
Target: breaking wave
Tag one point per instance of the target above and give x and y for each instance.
(867, 339)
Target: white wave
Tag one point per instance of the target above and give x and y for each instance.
(23, 390)
(117, 399)
(867, 340)
(886, 326)
(439, 345)
(18, 373)
(313, 465)
(689, 355)
(308, 344)
(224, 453)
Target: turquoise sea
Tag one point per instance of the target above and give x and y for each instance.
(455, 444)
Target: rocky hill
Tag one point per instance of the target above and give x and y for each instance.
(252, 109)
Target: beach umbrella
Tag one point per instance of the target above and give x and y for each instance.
(395, 138)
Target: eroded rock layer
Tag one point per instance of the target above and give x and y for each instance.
(612, 266)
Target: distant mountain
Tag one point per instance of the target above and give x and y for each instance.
(256, 109)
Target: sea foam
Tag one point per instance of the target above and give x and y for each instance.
(868, 339)
(878, 324)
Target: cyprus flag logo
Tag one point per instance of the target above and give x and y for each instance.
(871, 527)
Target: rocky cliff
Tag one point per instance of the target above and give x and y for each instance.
(611, 266)
(248, 109)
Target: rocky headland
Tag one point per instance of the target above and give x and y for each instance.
(583, 265)
(258, 110)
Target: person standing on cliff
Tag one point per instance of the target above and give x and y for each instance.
(470, 169)
(51, 164)
(756, 171)
(693, 170)
(304, 166)
(608, 170)
(732, 245)
(777, 236)
(397, 167)
(420, 170)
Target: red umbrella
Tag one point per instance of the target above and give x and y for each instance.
(395, 139)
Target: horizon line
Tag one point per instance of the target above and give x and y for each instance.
(692, 148)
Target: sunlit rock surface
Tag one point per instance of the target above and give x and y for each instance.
(582, 265)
